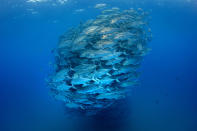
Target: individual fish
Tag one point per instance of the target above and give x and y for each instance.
(110, 11)
(136, 24)
(115, 8)
(107, 36)
(128, 84)
(95, 53)
(107, 30)
(79, 10)
(79, 46)
(82, 99)
(60, 76)
(132, 61)
(102, 17)
(115, 61)
(124, 69)
(101, 72)
(84, 67)
(115, 20)
(106, 81)
(72, 105)
(114, 95)
(99, 21)
(133, 76)
(90, 30)
(63, 87)
(80, 80)
(92, 90)
(123, 36)
(111, 56)
(61, 97)
(63, 62)
(104, 44)
(101, 5)
(65, 44)
(80, 38)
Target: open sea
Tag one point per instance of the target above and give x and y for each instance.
(165, 100)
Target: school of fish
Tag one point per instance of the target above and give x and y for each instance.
(97, 62)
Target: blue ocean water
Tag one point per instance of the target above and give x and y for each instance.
(29, 30)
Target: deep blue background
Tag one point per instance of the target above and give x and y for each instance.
(166, 98)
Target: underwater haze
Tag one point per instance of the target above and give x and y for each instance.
(163, 100)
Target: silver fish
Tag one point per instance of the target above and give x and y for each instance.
(95, 54)
(114, 95)
(60, 76)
